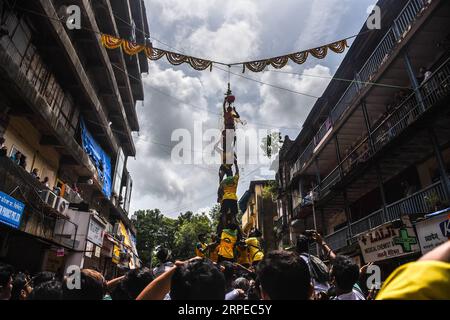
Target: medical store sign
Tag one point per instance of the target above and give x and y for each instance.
(433, 232)
(11, 210)
(389, 241)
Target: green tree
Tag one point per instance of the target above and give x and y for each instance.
(186, 237)
(153, 229)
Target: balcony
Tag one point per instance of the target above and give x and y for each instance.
(414, 204)
(39, 219)
(393, 37)
(435, 89)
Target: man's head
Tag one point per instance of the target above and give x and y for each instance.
(50, 290)
(198, 279)
(135, 281)
(344, 273)
(6, 281)
(229, 108)
(42, 277)
(228, 171)
(92, 287)
(241, 283)
(302, 245)
(163, 254)
(21, 287)
(202, 237)
(284, 276)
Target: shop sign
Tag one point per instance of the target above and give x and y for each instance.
(389, 241)
(11, 210)
(98, 251)
(433, 232)
(116, 254)
(60, 252)
(89, 249)
(95, 232)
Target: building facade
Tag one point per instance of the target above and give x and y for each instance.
(259, 213)
(373, 156)
(68, 106)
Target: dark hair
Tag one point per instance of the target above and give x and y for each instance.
(228, 172)
(135, 281)
(199, 279)
(229, 272)
(50, 290)
(302, 244)
(19, 282)
(44, 276)
(6, 272)
(92, 284)
(2, 140)
(345, 273)
(284, 276)
(241, 283)
(162, 254)
(255, 234)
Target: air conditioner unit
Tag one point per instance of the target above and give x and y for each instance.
(48, 197)
(62, 205)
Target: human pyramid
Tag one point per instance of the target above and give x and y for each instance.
(229, 243)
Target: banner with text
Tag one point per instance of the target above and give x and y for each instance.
(389, 241)
(433, 232)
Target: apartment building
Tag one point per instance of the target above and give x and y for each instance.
(68, 107)
(373, 156)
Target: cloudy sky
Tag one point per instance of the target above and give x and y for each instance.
(177, 97)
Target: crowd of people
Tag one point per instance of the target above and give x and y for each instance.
(279, 275)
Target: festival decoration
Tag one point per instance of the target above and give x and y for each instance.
(111, 42)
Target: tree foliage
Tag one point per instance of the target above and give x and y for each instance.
(178, 235)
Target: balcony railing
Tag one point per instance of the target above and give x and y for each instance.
(379, 57)
(329, 182)
(338, 240)
(414, 204)
(345, 102)
(367, 223)
(38, 219)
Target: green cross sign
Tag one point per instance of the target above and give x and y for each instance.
(405, 240)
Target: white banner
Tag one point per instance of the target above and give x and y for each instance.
(95, 232)
(387, 241)
(433, 232)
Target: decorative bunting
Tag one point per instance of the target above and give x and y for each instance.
(176, 59)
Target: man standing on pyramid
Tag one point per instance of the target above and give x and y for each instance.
(227, 198)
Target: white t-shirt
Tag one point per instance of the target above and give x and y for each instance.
(161, 268)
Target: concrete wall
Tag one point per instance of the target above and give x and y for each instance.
(22, 136)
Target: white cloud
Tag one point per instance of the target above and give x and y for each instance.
(230, 31)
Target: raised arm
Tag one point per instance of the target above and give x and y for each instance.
(329, 252)
(159, 287)
(224, 105)
(236, 165)
(237, 114)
